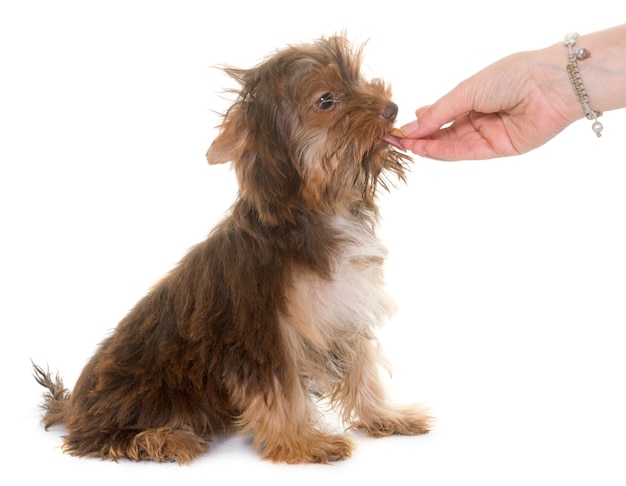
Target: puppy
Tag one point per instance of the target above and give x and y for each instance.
(278, 306)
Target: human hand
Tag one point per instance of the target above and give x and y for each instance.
(508, 108)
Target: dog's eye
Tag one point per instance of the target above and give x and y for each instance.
(327, 101)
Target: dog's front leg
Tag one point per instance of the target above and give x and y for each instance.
(364, 402)
(283, 422)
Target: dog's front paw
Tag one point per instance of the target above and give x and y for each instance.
(318, 448)
(401, 420)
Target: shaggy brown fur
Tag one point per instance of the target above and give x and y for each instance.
(279, 304)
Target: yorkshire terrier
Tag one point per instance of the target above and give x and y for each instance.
(277, 308)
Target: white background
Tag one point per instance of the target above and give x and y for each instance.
(509, 274)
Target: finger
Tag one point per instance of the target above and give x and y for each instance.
(449, 151)
(421, 110)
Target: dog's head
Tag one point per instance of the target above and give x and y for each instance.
(308, 132)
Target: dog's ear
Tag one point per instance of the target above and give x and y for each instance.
(231, 141)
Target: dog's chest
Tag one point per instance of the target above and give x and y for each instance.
(328, 311)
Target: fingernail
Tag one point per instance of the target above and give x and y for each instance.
(410, 127)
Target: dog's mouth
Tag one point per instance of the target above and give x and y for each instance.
(393, 138)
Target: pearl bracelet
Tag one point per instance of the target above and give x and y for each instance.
(577, 82)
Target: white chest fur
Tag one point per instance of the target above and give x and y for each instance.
(325, 312)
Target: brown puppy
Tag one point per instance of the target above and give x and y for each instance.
(279, 304)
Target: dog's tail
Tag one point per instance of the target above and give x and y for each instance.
(55, 399)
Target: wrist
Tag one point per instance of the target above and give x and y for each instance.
(603, 72)
(574, 56)
(557, 83)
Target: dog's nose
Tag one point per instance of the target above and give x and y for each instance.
(389, 111)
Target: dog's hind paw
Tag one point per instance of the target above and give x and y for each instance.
(166, 445)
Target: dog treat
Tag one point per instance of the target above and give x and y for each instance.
(394, 137)
(396, 132)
